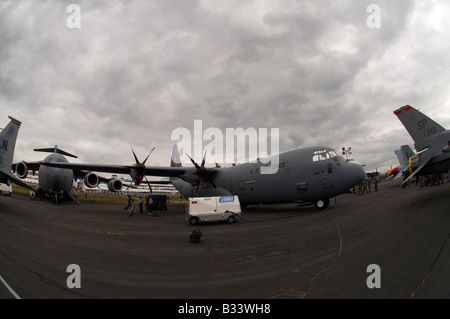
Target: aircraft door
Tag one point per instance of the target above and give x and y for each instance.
(241, 187)
(327, 180)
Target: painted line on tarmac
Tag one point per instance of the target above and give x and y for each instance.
(11, 291)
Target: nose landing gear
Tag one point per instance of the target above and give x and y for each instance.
(322, 204)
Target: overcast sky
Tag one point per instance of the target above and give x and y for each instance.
(136, 70)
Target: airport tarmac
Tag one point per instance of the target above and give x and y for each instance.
(275, 252)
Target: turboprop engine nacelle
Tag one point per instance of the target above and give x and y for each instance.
(192, 179)
(91, 180)
(114, 185)
(22, 170)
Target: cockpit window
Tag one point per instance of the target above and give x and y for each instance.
(322, 155)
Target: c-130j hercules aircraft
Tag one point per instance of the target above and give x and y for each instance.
(308, 175)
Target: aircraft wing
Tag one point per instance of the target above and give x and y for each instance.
(157, 182)
(124, 169)
(417, 170)
(10, 177)
(425, 159)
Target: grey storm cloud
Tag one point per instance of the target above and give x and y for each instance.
(136, 70)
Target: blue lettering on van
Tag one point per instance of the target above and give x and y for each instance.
(226, 199)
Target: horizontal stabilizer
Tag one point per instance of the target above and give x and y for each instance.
(54, 150)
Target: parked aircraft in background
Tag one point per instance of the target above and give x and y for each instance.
(56, 182)
(311, 175)
(403, 156)
(432, 142)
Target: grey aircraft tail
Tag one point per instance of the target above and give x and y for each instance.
(8, 138)
(419, 126)
(175, 160)
(404, 154)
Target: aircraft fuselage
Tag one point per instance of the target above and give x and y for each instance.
(304, 175)
(54, 180)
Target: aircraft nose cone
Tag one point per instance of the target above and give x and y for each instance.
(356, 173)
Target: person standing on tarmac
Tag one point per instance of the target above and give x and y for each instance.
(130, 206)
(147, 204)
(150, 206)
(141, 210)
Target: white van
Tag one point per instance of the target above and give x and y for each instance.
(5, 189)
(213, 209)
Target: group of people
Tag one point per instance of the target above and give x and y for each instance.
(405, 175)
(148, 205)
(427, 180)
(366, 186)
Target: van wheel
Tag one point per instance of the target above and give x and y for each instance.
(322, 204)
(230, 219)
(193, 220)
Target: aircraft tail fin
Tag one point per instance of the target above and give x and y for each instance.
(8, 138)
(404, 154)
(175, 160)
(419, 126)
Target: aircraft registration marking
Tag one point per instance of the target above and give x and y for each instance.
(258, 169)
(4, 145)
(422, 125)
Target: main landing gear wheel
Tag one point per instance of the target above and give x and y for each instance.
(322, 204)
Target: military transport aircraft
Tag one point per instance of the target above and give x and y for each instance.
(308, 175)
(432, 142)
(53, 181)
(58, 182)
(8, 138)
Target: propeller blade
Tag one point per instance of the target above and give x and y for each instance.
(149, 186)
(203, 162)
(145, 161)
(201, 173)
(193, 162)
(135, 157)
(210, 180)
